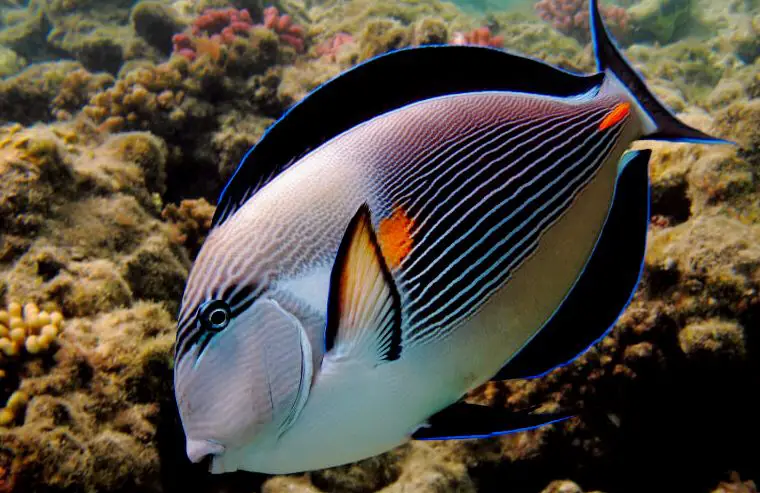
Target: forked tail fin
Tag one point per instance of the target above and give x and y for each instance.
(659, 122)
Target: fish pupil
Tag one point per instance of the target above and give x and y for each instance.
(218, 317)
(215, 315)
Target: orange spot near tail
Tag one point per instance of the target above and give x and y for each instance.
(616, 115)
(394, 236)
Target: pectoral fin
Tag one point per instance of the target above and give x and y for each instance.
(464, 420)
(364, 307)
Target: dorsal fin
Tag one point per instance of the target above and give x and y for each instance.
(382, 84)
(598, 298)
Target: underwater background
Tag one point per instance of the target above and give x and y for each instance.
(121, 120)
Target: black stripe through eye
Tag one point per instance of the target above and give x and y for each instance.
(241, 300)
(203, 323)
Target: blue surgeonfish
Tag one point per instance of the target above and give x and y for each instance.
(428, 220)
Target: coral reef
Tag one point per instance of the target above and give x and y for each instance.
(82, 234)
(663, 21)
(539, 40)
(10, 62)
(156, 23)
(330, 49)
(480, 37)
(100, 39)
(211, 29)
(570, 17)
(289, 33)
(25, 332)
(190, 223)
(104, 205)
(40, 90)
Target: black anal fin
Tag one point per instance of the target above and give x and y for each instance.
(363, 306)
(464, 420)
(606, 285)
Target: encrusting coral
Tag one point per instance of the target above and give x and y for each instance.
(190, 221)
(98, 255)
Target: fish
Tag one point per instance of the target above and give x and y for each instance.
(429, 220)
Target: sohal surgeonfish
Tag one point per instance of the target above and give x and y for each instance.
(431, 219)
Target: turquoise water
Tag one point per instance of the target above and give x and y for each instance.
(122, 121)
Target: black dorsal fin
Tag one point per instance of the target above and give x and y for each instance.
(606, 285)
(382, 84)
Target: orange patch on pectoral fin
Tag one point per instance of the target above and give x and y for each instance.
(618, 114)
(395, 238)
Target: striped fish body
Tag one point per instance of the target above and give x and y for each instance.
(503, 196)
(365, 271)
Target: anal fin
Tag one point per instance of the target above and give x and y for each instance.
(363, 307)
(465, 420)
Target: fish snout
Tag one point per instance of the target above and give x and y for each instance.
(197, 450)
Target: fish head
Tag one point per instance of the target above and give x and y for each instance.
(242, 363)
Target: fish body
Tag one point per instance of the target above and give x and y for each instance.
(345, 304)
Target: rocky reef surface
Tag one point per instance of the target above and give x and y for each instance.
(122, 120)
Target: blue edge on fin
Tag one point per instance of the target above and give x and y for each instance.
(496, 433)
(429, 71)
(609, 57)
(629, 162)
(635, 165)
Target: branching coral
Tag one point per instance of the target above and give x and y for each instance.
(289, 33)
(150, 97)
(218, 31)
(210, 30)
(76, 90)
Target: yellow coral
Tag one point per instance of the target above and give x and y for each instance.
(20, 325)
(24, 330)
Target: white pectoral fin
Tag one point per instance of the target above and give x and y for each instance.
(363, 307)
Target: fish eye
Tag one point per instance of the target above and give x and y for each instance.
(214, 315)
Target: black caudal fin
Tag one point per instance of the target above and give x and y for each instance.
(660, 123)
(597, 298)
(464, 420)
(363, 305)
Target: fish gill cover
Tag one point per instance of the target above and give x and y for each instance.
(121, 122)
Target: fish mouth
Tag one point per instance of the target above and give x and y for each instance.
(197, 450)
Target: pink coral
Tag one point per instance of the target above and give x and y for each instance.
(288, 32)
(219, 26)
(215, 28)
(481, 37)
(570, 17)
(330, 48)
